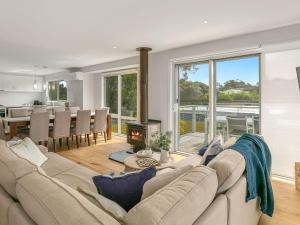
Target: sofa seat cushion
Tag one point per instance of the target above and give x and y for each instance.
(180, 202)
(12, 167)
(50, 202)
(162, 180)
(56, 164)
(230, 166)
(78, 176)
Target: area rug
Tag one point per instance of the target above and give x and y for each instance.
(120, 156)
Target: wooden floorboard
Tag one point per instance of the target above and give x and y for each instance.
(287, 205)
(95, 157)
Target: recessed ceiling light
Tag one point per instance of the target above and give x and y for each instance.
(205, 21)
(114, 47)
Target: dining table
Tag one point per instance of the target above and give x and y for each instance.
(15, 123)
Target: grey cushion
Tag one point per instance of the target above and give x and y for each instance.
(162, 180)
(12, 167)
(229, 165)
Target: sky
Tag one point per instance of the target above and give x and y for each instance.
(245, 69)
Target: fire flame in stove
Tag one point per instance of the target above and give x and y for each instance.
(136, 135)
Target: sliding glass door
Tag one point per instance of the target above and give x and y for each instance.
(216, 97)
(121, 96)
(193, 96)
(238, 96)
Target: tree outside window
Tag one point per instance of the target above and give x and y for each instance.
(57, 90)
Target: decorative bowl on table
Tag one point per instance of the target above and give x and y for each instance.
(144, 153)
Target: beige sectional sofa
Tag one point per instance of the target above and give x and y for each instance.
(212, 195)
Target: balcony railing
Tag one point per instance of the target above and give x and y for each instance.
(192, 117)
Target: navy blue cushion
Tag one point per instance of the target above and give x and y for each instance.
(202, 150)
(125, 190)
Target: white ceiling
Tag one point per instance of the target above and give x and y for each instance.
(76, 33)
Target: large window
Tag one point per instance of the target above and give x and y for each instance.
(233, 108)
(121, 96)
(57, 90)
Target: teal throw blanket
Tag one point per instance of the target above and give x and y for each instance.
(258, 165)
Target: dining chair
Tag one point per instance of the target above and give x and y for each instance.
(18, 112)
(83, 126)
(39, 127)
(59, 109)
(236, 126)
(39, 110)
(100, 124)
(74, 109)
(256, 124)
(61, 128)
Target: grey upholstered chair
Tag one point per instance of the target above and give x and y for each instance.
(39, 127)
(236, 126)
(74, 109)
(39, 110)
(18, 112)
(59, 109)
(83, 125)
(100, 123)
(61, 128)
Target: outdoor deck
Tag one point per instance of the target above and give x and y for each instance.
(194, 123)
(191, 142)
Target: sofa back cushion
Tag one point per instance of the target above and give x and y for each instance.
(50, 202)
(12, 167)
(180, 202)
(230, 166)
(162, 180)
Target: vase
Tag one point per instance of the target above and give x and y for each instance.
(164, 156)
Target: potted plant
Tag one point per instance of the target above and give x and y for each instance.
(161, 142)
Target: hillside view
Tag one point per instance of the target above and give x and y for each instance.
(232, 91)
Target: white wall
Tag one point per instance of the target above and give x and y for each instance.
(280, 94)
(88, 101)
(18, 90)
(281, 109)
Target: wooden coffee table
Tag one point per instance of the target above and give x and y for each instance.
(131, 165)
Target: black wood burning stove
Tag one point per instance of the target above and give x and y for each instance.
(139, 133)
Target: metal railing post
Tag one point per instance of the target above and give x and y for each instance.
(194, 121)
